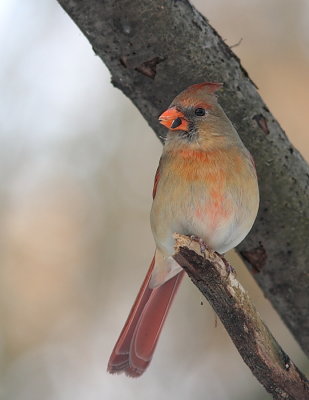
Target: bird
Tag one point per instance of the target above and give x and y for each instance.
(205, 186)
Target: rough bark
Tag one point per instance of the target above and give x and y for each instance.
(154, 49)
(258, 348)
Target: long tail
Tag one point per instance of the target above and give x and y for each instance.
(138, 338)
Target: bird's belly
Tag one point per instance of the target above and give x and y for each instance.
(213, 221)
(222, 230)
(215, 217)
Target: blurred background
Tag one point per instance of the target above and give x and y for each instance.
(75, 195)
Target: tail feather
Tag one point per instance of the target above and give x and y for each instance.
(137, 341)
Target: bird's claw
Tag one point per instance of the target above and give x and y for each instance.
(229, 268)
(203, 245)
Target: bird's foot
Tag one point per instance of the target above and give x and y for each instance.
(203, 245)
(229, 268)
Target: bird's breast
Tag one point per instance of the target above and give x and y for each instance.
(204, 194)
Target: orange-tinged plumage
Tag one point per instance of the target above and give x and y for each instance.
(206, 186)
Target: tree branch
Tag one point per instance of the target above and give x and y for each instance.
(154, 49)
(256, 345)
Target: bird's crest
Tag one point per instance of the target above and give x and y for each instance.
(211, 87)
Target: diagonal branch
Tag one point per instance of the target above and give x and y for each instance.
(256, 345)
(154, 49)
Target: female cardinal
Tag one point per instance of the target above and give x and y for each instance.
(205, 186)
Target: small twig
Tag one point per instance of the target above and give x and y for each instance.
(256, 345)
(236, 44)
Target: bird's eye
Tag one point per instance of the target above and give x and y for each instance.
(200, 111)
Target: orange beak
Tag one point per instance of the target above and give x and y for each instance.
(174, 120)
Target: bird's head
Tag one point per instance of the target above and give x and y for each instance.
(192, 110)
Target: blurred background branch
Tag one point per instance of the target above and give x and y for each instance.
(153, 51)
(255, 343)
